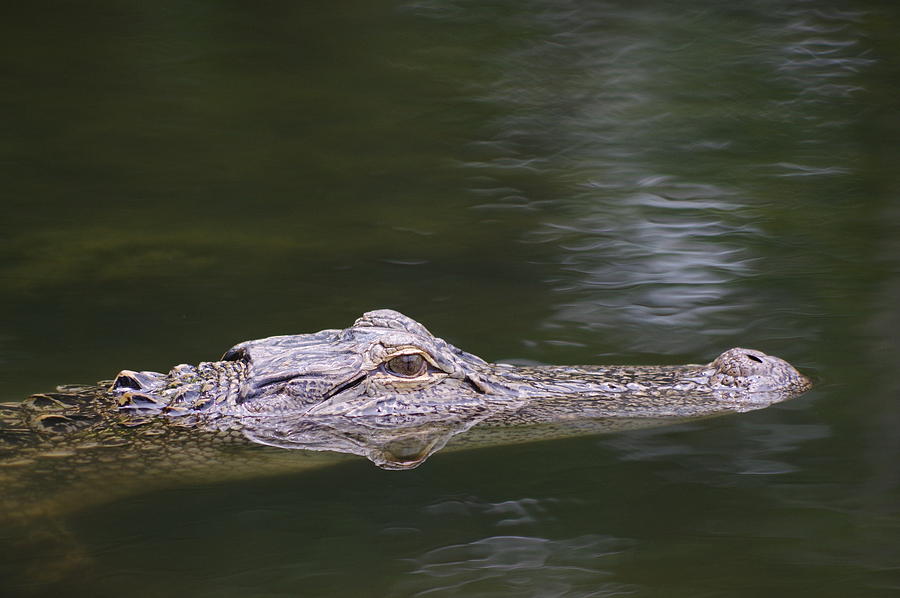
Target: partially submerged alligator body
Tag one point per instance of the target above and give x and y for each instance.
(384, 388)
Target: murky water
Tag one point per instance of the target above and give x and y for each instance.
(566, 182)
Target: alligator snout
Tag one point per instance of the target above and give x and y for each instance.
(753, 370)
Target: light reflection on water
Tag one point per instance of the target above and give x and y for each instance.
(684, 177)
(656, 151)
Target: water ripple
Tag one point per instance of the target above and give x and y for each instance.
(657, 159)
(518, 566)
(511, 512)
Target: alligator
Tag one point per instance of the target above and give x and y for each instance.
(384, 388)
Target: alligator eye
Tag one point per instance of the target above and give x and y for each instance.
(754, 357)
(408, 366)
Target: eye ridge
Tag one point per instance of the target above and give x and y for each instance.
(406, 366)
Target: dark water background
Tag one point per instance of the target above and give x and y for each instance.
(554, 182)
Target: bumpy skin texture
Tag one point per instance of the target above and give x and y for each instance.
(384, 388)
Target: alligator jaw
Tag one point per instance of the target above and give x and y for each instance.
(738, 380)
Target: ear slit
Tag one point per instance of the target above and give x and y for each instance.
(345, 386)
(476, 385)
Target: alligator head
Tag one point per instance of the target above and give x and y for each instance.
(388, 389)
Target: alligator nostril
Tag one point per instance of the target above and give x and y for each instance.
(753, 357)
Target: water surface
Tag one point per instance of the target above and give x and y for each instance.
(565, 182)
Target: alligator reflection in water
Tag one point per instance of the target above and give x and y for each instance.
(384, 388)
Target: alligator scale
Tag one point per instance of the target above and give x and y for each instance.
(385, 388)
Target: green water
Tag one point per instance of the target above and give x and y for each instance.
(556, 182)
